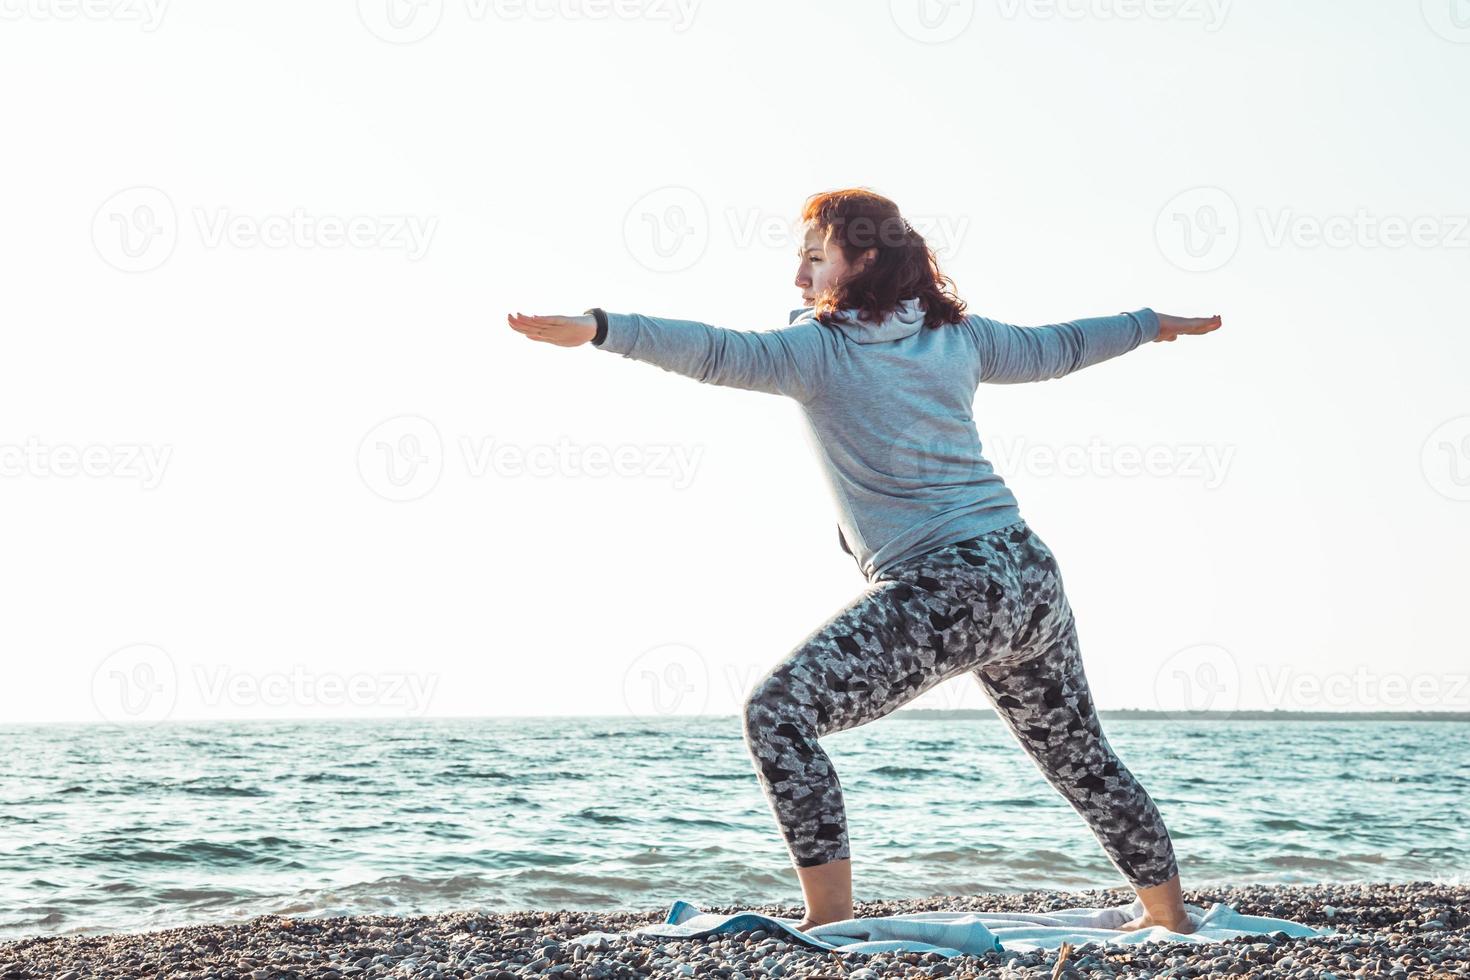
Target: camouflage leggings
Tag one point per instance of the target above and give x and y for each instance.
(992, 606)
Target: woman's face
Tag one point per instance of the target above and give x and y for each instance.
(821, 264)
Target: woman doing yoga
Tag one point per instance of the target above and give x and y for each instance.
(885, 364)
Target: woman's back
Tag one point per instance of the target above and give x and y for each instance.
(894, 428)
(888, 405)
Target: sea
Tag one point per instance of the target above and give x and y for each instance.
(128, 828)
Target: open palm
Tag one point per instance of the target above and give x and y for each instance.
(563, 331)
(1170, 327)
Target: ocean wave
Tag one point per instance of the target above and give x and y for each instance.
(904, 772)
(1290, 823)
(597, 816)
(207, 787)
(393, 818)
(459, 773)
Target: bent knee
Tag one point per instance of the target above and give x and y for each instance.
(773, 711)
(761, 712)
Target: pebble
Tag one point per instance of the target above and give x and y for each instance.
(1413, 929)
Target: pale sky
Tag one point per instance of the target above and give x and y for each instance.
(269, 449)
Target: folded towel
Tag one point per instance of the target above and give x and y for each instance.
(956, 933)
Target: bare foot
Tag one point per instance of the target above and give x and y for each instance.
(811, 921)
(1180, 923)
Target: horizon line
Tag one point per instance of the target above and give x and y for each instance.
(1198, 714)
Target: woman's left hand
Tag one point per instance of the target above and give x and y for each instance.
(1172, 327)
(563, 331)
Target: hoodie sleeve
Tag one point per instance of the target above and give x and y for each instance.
(791, 361)
(1011, 355)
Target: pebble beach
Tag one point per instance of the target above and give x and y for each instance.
(1416, 929)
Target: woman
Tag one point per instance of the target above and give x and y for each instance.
(885, 364)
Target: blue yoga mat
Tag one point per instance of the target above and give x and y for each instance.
(954, 933)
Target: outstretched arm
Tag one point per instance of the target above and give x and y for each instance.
(789, 361)
(1011, 355)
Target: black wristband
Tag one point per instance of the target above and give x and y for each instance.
(601, 317)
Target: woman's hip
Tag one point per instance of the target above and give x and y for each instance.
(1009, 580)
(1001, 551)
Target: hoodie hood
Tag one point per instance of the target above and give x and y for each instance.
(905, 321)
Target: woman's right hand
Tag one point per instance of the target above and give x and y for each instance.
(1170, 327)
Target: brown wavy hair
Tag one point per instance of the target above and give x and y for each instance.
(905, 266)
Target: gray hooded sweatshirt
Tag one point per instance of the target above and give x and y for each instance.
(887, 405)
